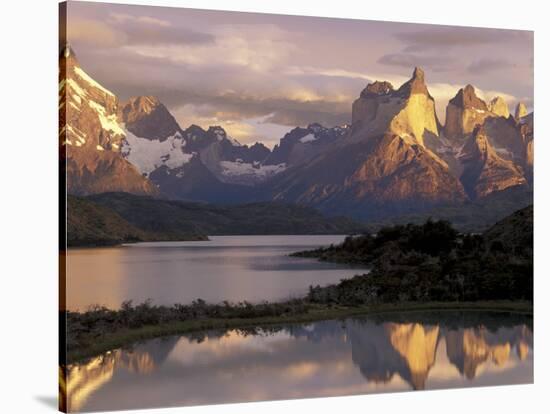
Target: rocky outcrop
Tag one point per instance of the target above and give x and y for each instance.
(464, 112)
(371, 173)
(505, 137)
(230, 161)
(302, 144)
(521, 111)
(91, 137)
(499, 107)
(408, 112)
(484, 170)
(527, 137)
(146, 117)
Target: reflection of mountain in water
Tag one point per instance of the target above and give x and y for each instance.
(468, 348)
(409, 349)
(383, 350)
(311, 359)
(84, 379)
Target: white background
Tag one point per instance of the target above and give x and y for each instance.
(28, 202)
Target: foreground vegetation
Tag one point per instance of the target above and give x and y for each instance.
(433, 262)
(413, 267)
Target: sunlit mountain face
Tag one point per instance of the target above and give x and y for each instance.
(321, 359)
(173, 115)
(258, 75)
(395, 157)
(226, 107)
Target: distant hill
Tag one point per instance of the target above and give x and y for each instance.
(514, 233)
(112, 218)
(471, 216)
(91, 224)
(167, 216)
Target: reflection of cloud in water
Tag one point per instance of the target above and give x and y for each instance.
(314, 360)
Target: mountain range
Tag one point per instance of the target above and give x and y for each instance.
(395, 158)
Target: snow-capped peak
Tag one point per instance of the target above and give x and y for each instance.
(88, 79)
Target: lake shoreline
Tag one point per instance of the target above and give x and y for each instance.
(129, 336)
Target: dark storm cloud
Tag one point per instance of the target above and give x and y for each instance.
(440, 38)
(486, 65)
(408, 60)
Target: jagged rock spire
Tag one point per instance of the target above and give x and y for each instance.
(499, 107)
(416, 84)
(377, 88)
(418, 73)
(521, 111)
(467, 98)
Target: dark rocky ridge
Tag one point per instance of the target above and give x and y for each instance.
(146, 117)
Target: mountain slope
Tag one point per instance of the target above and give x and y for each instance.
(484, 170)
(382, 167)
(147, 117)
(395, 158)
(92, 224)
(464, 112)
(91, 137)
(167, 217)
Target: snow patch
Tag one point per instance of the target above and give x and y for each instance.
(219, 134)
(77, 89)
(239, 169)
(308, 138)
(80, 136)
(108, 122)
(233, 141)
(147, 155)
(84, 76)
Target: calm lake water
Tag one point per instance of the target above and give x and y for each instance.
(373, 354)
(233, 268)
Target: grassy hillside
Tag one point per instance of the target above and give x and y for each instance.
(114, 218)
(168, 216)
(91, 224)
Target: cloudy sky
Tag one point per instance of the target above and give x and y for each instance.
(259, 75)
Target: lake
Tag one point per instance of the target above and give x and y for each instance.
(379, 353)
(233, 268)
